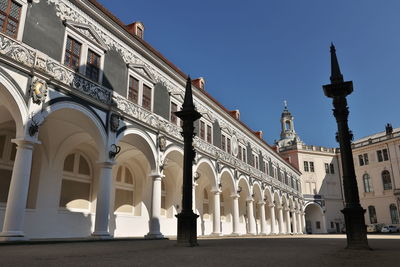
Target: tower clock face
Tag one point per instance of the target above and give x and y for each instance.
(235, 146)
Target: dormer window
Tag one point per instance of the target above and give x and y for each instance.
(139, 32)
(136, 28)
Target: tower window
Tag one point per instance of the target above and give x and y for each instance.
(287, 125)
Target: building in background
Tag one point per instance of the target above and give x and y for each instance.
(376, 160)
(320, 179)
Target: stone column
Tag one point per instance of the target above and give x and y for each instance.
(103, 201)
(217, 213)
(194, 197)
(250, 214)
(235, 214)
(294, 221)
(303, 222)
(263, 222)
(18, 192)
(280, 218)
(288, 226)
(273, 225)
(154, 223)
(324, 224)
(299, 228)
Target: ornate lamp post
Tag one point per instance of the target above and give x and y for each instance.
(187, 226)
(353, 212)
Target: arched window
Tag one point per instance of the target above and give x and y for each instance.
(394, 215)
(76, 182)
(387, 182)
(372, 214)
(287, 125)
(7, 156)
(367, 183)
(124, 187)
(163, 199)
(205, 205)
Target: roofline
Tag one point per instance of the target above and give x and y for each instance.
(180, 72)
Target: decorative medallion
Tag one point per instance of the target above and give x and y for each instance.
(162, 143)
(38, 90)
(235, 146)
(114, 122)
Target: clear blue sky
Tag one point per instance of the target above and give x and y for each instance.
(254, 54)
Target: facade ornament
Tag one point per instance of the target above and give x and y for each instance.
(114, 122)
(38, 90)
(162, 143)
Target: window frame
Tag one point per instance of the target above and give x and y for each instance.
(387, 185)
(124, 186)
(367, 182)
(207, 125)
(22, 19)
(226, 142)
(178, 108)
(86, 45)
(142, 82)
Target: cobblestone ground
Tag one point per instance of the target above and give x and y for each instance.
(310, 250)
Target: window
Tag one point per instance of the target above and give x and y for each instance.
(372, 214)
(76, 182)
(326, 168)
(226, 144)
(382, 155)
(133, 90)
(10, 13)
(367, 183)
(7, 156)
(266, 167)
(386, 181)
(311, 166)
(146, 100)
(72, 53)
(124, 186)
(83, 56)
(394, 215)
(140, 92)
(242, 153)
(363, 159)
(306, 168)
(332, 225)
(173, 117)
(139, 32)
(205, 131)
(223, 142)
(92, 66)
(256, 161)
(318, 224)
(332, 168)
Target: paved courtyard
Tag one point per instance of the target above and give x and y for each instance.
(310, 250)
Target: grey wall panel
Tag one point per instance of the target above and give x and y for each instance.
(44, 30)
(115, 72)
(217, 134)
(161, 101)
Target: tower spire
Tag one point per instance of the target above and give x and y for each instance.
(336, 75)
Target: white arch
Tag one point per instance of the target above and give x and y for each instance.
(246, 182)
(151, 155)
(312, 203)
(15, 103)
(257, 191)
(101, 139)
(268, 194)
(209, 163)
(230, 175)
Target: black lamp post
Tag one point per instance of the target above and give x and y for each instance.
(353, 212)
(187, 226)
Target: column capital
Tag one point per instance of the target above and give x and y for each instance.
(271, 205)
(235, 196)
(279, 207)
(25, 143)
(216, 191)
(106, 164)
(250, 199)
(156, 175)
(261, 203)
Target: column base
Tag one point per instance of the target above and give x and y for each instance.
(154, 236)
(251, 234)
(102, 235)
(187, 229)
(263, 234)
(13, 236)
(216, 234)
(235, 234)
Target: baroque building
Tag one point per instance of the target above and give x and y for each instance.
(320, 179)
(376, 161)
(90, 144)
